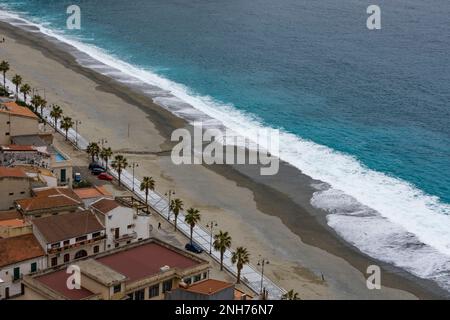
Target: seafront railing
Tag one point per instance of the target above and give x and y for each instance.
(250, 275)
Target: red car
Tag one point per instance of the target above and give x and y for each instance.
(105, 176)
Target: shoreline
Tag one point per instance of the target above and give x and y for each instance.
(285, 200)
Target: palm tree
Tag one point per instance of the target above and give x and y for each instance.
(25, 89)
(240, 257)
(147, 184)
(290, 295)
(119, 163)
(192, 218)
(66, 124)
(56, 114)
(222, 241)
(176, 206)
(105, 154)
(36, 101)
(17, 80)
(4, 67)
(93, 150)
(42, 104)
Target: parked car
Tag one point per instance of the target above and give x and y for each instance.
(95, 165)
(105, 176)
(97, 171)
(195, 248)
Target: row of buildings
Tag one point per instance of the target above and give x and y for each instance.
(53, 236)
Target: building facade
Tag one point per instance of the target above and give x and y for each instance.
(14, 184)
(16, 120)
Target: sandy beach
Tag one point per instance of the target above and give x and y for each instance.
(270, 215)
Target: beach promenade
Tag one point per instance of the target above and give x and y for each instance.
(250, 275)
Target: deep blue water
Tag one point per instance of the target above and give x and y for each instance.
(310, 67)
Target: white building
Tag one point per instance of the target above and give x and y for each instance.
(19, 256)
(123, 225)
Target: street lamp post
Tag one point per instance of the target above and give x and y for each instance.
(77, 122)
(169, 193)
(134, 165)
(262, 263)
(211, 226)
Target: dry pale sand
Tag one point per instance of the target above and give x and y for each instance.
(107, 110)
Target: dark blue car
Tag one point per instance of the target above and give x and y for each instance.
(95, 165)
(97, 171)
(195, 248)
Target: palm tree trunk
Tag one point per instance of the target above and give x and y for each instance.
(221, 260)
(146, 198)
(4, 80)
(192, 229)
(176, 218)
(119, 172)
(67, 132)
(238, 276)
(17, 91)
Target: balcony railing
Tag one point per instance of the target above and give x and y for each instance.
(126, 237)
(76, 245)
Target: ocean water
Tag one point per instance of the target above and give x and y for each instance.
(366, 112)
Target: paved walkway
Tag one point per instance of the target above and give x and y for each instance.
(250, 275)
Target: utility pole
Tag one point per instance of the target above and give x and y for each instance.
(169, 193)
(211, 226)
(133, 165)
(262, 263)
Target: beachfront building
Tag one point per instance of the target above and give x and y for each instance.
(123, 224)
(41, 177)
(92, 194)
(70, 236)
(16, 120)
(12, 155)
(12, 224)
(59, 163)
(49, 201)
(207, 289)
(19, 256)
(140, 271)
(14, 184)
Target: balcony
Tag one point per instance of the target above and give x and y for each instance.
(76, 245)
(126, 237)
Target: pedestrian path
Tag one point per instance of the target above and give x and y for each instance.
(250, 275)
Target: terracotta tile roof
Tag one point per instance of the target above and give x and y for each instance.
(13, 223)
(10, 214)
(67, 226)
(50, 198)
(20, 248)
(105, 205)
(57, 282)
(7, 172)
(146, 260)
(89, 193)
(209, 286)
(14, 109)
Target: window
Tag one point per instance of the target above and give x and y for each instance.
(63, 175)
(80, 254)
(56, 245)
(130, 226)
(139, 295)
(117, 245)
(81, 238)
(22, 192)
(33, 267)
(153, 291)
(16, 273)
(197, 278)
(117, 288)
(167, 286)
(11, 193)
(54, 261)
(96, 249)
(205, 275)
(188, 280)
(8, 122)
(96, 234)
(7, 134)
(66, 257)
(66, 243)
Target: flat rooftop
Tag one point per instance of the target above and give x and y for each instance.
(146, 260)
(56, 281)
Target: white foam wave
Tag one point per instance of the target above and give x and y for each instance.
(397, 202)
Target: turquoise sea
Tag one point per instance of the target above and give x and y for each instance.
(367, 112)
